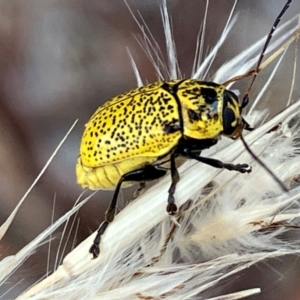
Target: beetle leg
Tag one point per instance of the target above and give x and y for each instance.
(171, 207)
(147, 173)
(109, 217)
(242, 168)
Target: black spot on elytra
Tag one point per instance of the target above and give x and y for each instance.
(171, 127)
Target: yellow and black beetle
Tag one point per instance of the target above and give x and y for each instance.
(128, 136)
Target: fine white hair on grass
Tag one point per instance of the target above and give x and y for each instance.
(174, 72)
(139, 81)
(227, 222)
(4, 227)
(211, 57)
(244, 61)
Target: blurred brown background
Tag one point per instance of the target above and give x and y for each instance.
(59, 60)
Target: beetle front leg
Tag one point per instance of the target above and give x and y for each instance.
(242, 168)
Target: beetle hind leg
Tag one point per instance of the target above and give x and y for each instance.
(109, 217)
(148, 173)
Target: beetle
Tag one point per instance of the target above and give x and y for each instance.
(129, 137)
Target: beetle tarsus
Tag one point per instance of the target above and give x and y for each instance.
(95, 249)
(242, 168)
(171, 208)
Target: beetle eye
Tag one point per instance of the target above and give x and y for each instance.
(228, 119)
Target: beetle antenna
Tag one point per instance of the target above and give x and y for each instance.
(262, 54)
(279, 182)
(246, 95)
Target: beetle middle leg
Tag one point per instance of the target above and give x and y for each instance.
(172, 207)
(148, 173)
